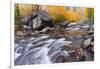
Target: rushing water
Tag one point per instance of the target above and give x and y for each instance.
(39, 50)
(46, 49)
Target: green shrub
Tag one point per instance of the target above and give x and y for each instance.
(90, 15)
(17, 17)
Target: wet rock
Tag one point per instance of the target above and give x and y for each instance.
(73, 29)
(20, 34)
(86, 26)
(25, 27)
(72, 24)
(64, 24)
(80, 54)
(60, 59)
(46, 29)
(91, 46)
(77, 32)
(91, 32)
(92, 27)
(77, 55)
(43, 20)
(88, 42)
(89, 56)
(43, 14)
(88, 47)
(36, 22)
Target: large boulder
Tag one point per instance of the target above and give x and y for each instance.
(59, 57)
(43, 20)
(39, 20)
(43, 15)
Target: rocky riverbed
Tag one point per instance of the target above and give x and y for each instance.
(42, 42)
(62, 44)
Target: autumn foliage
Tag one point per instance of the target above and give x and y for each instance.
(61, 13)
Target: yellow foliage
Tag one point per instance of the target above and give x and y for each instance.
(67, 14)
(58, 13)
(55, 10)
(73, 16)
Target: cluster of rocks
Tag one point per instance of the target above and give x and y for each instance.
(37, 21)
(82, 46)
(80, 34)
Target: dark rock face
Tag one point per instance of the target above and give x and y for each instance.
(76, 56)
(45, 24)
(43, 15)
(44, 20)
(88, 47)
(60, 59)
(37, 21)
